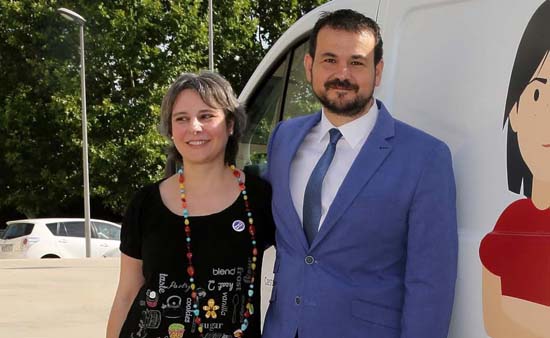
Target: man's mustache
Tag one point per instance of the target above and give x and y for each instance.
(338, 84)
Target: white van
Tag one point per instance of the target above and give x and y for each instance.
(449, 71)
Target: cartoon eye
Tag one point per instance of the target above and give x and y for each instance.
(536, 95)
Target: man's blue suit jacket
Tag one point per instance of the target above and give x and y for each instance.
(383, 264)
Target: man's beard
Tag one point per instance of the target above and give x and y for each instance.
(349, 109)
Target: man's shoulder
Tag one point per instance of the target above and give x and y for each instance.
(299, 121)
(415, 137)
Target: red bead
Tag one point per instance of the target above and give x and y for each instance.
(189, 255)
(247, 314)
(236, 173)
(241, 185)
(251, 229)
(193, 295)
(197, 320)
(181, 179)
(187, 229)
(255, 252)
(191, 270)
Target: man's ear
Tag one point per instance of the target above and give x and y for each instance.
(308, 64)
(513, 118)
(379, 68)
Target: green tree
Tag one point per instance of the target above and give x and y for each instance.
(134, 50)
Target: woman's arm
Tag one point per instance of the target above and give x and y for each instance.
(509, 317)
(130, 281)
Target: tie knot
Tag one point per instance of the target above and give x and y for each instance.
(335, 135)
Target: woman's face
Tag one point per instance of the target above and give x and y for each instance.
(200, 132)
(530, 119)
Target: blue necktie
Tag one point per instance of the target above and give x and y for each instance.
(312, 196)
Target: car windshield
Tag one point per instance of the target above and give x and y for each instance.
(15, 230)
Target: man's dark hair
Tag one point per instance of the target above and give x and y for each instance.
(350, 21)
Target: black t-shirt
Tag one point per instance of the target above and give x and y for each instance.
(222, 257)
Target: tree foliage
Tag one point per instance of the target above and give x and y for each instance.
(133, 50)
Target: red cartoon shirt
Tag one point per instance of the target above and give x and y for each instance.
(518, 250)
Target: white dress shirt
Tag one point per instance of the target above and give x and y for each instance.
(354, 135)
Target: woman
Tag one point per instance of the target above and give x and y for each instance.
(192, 244)
(516, 254)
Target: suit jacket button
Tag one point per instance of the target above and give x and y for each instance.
(309, 260)
(297, 300)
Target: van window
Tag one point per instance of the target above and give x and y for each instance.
(263, 114)
(18, 230)
(285, 94)
(300, 99)
(106, 231)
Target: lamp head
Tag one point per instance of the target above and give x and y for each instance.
(71, 16)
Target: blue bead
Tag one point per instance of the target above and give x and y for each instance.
(254, 242)
(252, 286)
(243, 327)
(188, 240)
(249, 214)
(196, 312)
(245, 321)
(191, 279)
(195, 306)
(250, 293)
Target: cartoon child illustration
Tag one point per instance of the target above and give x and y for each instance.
(516, 254)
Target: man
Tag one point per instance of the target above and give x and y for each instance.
(364, 205)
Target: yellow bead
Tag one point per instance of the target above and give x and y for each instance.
(253, 266)
(254, 259)
(193, 286)
(250, 220)
(245, 197)
(200, 328)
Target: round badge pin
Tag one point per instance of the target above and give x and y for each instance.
(238, 225)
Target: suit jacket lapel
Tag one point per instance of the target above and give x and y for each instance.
(372, 155)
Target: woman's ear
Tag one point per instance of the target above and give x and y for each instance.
(513, 117)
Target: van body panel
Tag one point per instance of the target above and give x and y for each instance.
(448, 65)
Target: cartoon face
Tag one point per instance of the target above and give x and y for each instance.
(530, 119)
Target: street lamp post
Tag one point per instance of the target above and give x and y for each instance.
(76, 18)
(210, 35)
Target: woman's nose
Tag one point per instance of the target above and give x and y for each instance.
(196, 126)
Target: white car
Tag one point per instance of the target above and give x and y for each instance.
(57, 238)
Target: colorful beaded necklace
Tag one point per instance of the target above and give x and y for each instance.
(191, 269)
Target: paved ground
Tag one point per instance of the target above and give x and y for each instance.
(58, 298)
(67, 298)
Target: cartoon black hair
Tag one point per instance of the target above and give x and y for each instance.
(534, 46)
